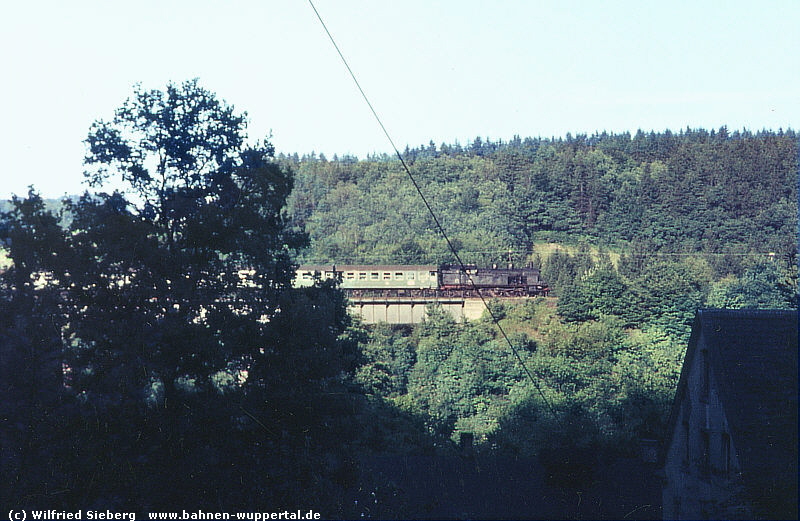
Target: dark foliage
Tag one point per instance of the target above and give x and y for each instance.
(153, 353)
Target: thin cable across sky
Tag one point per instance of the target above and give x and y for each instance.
(441, 229)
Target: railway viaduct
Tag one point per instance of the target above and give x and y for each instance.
(411, 310)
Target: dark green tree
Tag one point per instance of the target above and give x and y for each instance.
(35, 402)
(763, 286)
(387, 361)
(666, 294)
(559, 271)
(170, 309)
(177, 275)
(599, 292)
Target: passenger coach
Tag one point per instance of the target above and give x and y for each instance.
(362, 281)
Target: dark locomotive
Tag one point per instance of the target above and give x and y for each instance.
(491, 282)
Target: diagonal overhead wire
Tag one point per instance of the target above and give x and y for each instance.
(439, 226)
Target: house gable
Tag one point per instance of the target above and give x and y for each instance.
(734, 418)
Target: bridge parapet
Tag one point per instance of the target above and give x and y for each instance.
(411, 310)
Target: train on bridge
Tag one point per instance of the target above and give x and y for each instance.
(426, 281)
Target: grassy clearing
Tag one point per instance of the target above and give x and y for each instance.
(545, 249)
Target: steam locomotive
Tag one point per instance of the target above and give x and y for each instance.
(446, 280)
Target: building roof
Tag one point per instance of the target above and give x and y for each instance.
(753, 356)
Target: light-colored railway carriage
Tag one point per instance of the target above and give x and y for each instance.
(358, 278)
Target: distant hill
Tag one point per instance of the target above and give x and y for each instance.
(694, 191)
(53, 205)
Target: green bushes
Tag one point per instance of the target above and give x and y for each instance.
(604, 383)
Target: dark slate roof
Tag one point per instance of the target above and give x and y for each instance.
(753, 356)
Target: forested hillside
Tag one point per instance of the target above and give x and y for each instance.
(633, 234)
(694, 191)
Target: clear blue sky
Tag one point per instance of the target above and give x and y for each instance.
(441, 71)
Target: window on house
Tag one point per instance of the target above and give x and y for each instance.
(411, 275)
(387, 276)
(350, 275)
(726, 453)
(706, 376)
(362, 275)
(686, 445)
(433, 274)
(398, 276)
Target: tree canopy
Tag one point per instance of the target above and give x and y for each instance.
(159, 328)
(719, 194)
(195, 247)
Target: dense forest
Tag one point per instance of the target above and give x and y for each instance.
(695, 191)
(156, 357)
(633, 234)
